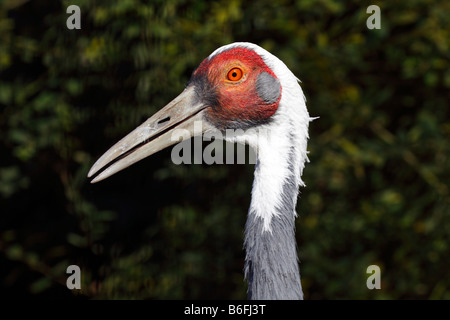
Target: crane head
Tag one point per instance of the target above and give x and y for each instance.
(233, 88)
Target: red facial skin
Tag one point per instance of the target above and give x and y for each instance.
(236, 101)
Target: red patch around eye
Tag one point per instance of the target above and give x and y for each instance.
(237, 102)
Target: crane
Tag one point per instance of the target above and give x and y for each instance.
(241, 86)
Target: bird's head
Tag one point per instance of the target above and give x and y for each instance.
(239, 86)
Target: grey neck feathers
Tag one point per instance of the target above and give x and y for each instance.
(271, 265)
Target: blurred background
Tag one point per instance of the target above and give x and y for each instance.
(377, 182)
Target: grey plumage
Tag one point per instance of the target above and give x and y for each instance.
(268, 87)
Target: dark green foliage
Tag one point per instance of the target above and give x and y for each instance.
(377, 183)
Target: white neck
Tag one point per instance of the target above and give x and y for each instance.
(274, 166)
(271, 251)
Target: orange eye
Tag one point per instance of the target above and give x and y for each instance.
(235, 74)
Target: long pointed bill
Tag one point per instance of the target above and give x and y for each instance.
(153, 135)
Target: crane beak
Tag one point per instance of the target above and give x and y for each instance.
(153, 135)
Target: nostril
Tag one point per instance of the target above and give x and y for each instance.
(164, 120)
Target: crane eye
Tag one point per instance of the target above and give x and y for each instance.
(235, 74)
